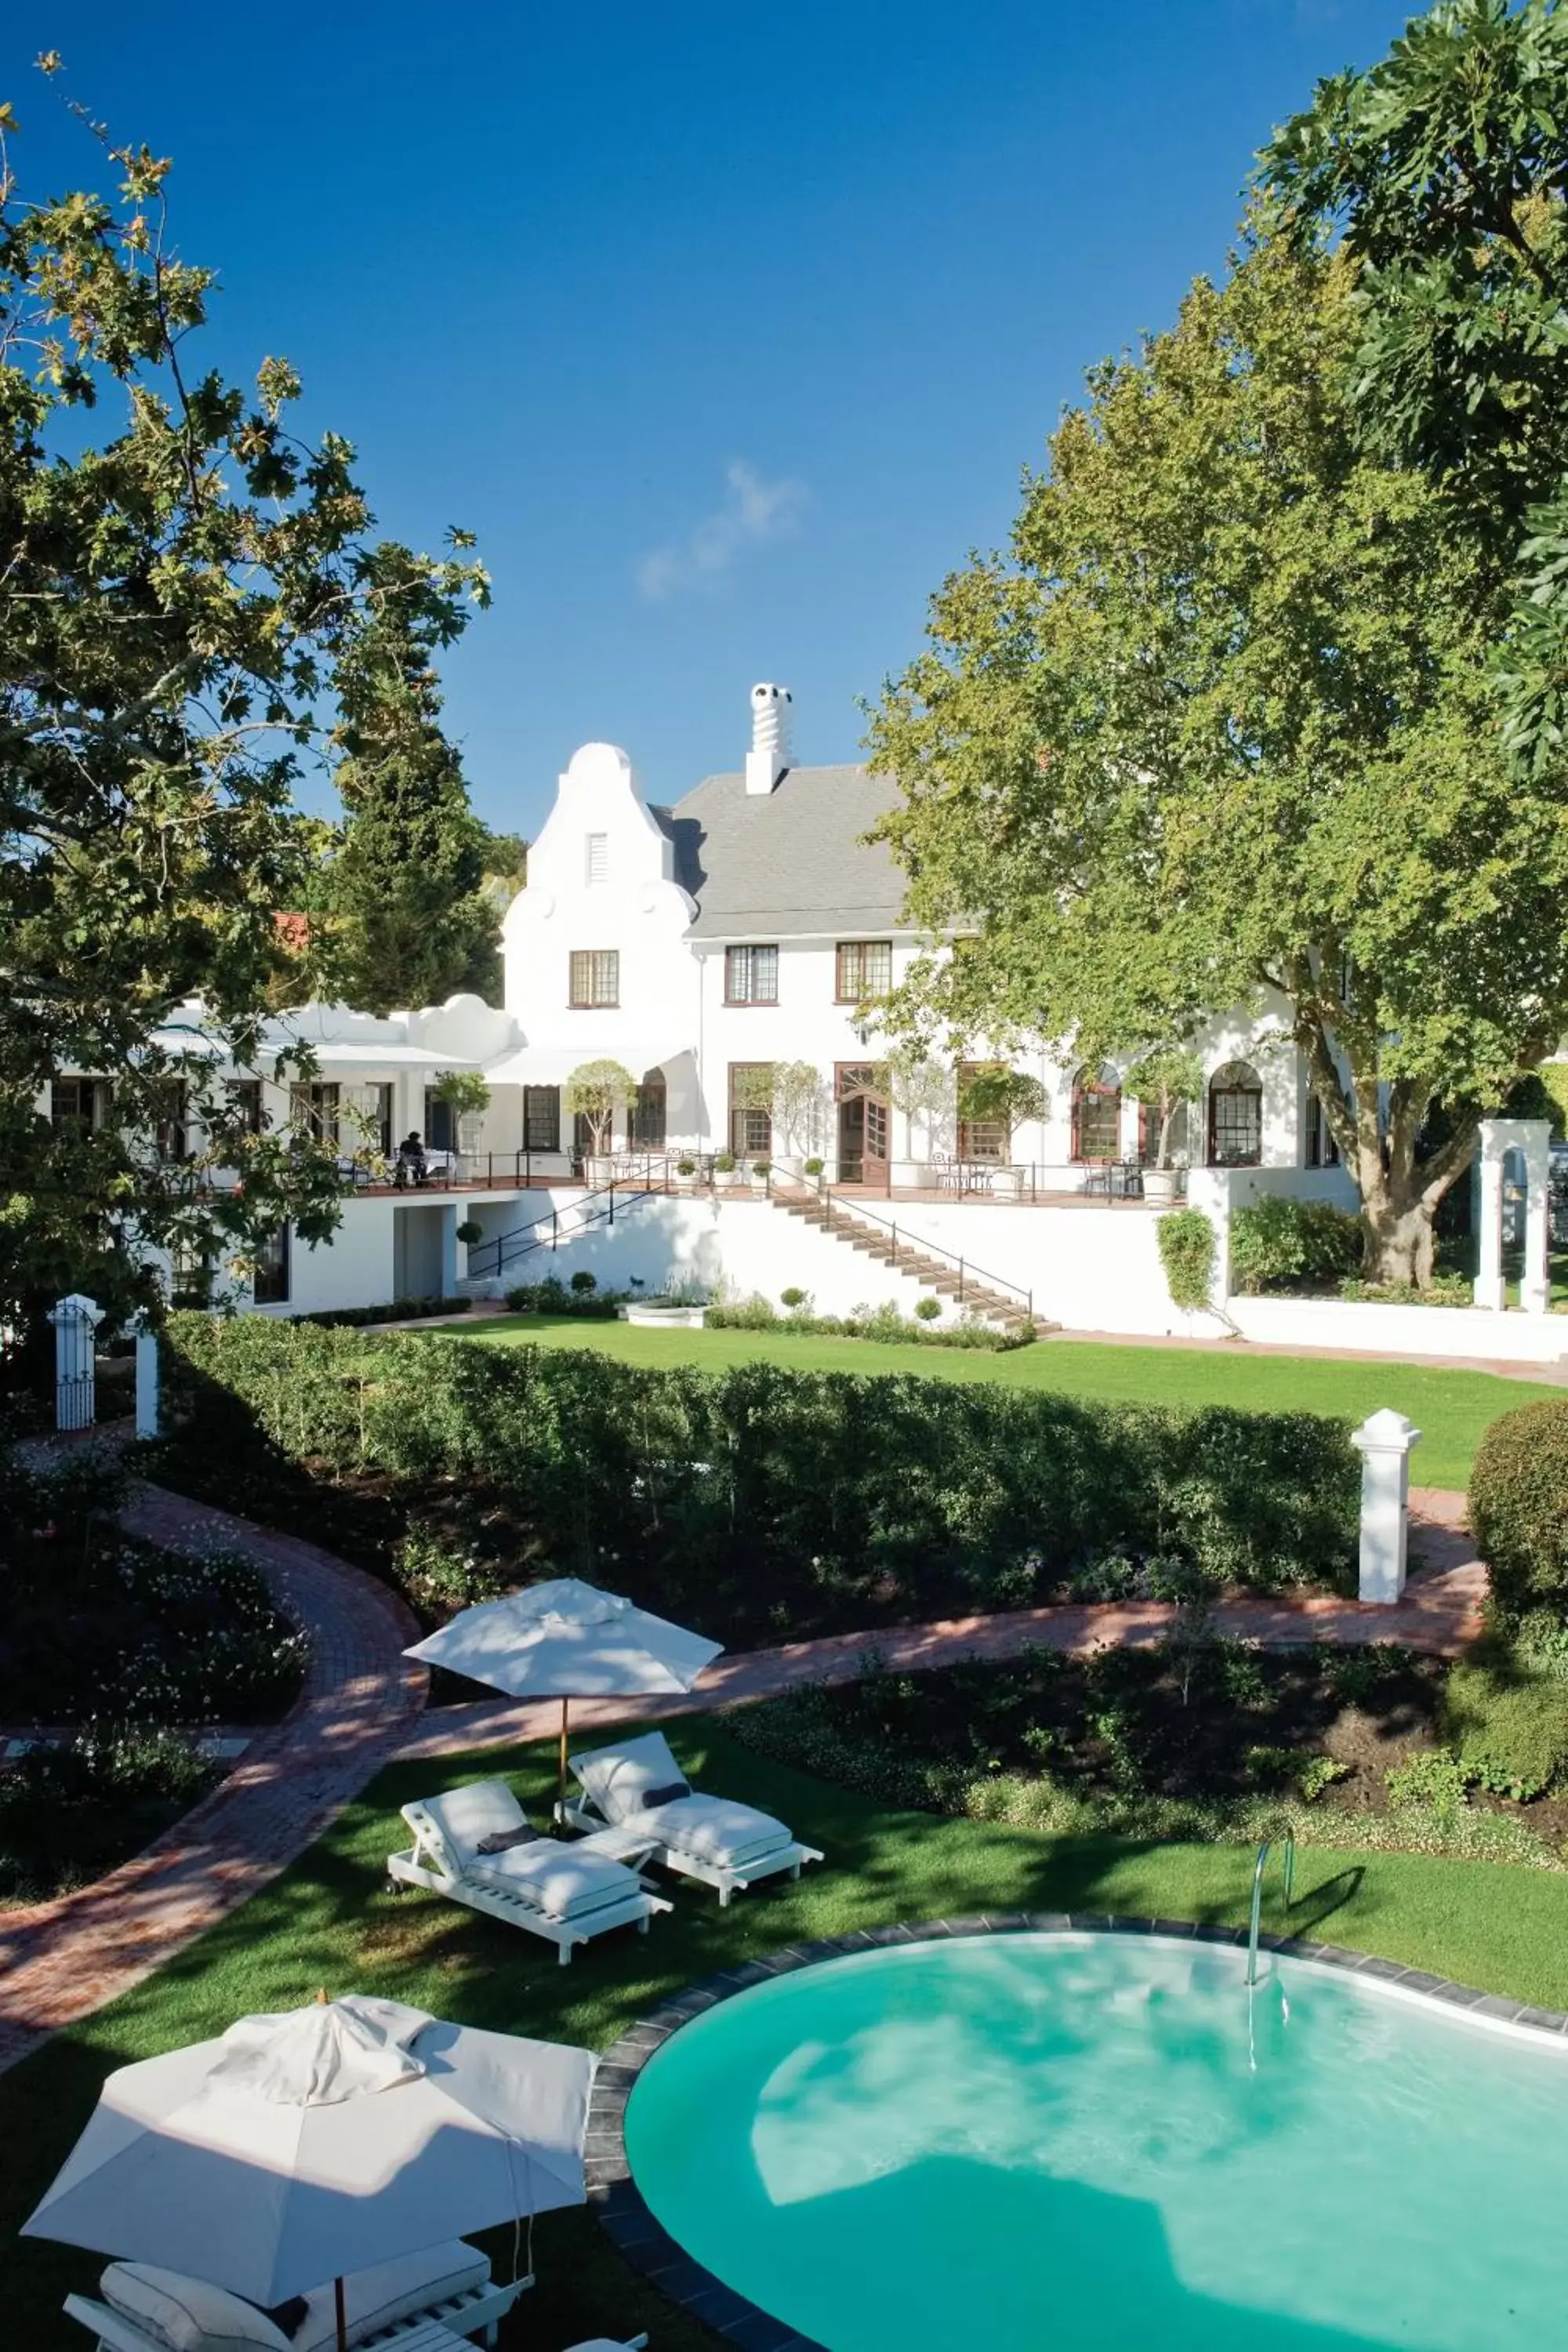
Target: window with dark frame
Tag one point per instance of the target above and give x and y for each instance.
(314, 1108)
(646, 1115)
(751, 1131)
(1322, 1151)
(981, 1138)
(541, 1119)
(751, 975)
(440, 1124)
(244, 1102)
(269, 1286)
(78, 1102)
(1236, 1116)
(594, 978)
(192, 1271)
(865, 971)
(1096, 1116)
(169, 1137)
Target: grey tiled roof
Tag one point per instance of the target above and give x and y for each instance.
(787, 863)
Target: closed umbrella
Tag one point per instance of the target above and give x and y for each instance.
(567, 1640)
(305, 2146)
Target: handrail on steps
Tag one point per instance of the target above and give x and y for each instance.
(967, 1270)
(548, 1233)
(1288, 1836)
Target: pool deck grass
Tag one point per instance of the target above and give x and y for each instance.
(1452, 1408)
(329, 1922)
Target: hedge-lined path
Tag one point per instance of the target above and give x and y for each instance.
(1440, 1613)
(61, 1960)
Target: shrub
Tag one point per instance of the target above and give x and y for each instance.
(760, 1167)
(794, 1296)
(583, 1282)
(1432, 1783)
(686, 1167)
(1518, 1508)
(812, 1167)
(744, 1497)
(724, 1165)
(928, 1309)
(551, 1297)
(395, 1310)
(469, 1232)
(1508, 1722)
(1279, 1241)
(1187, 1244)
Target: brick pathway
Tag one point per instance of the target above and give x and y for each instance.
(1440, 1613)
(58, 1960)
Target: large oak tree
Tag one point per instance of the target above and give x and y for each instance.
(1221, 724)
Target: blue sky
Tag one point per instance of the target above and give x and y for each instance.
(728, 328)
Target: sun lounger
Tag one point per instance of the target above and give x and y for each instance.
(553, 1888)
(146, 2309)
(638, 1788)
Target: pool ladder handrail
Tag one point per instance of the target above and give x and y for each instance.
(1289, 1837)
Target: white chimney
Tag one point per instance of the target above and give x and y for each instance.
(769, 755)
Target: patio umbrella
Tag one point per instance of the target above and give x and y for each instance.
(567, 1640)
(305, 2146)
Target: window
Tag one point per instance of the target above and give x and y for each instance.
(191, 1272)
(1322, 1151)
(1236, 1116)
(440, 1125)
(78, 1102)
(313, 1109)
(646, 1113)
(596, 858)
(980, 1138)
(750, 975)
(245, 1103)
(750, 1128)
(169, 1118)
(269, 1286)
(865, 971)
(1097, 1116)
(541, 1119)
(595, 977)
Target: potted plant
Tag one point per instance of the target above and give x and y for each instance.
(796, 1109)
(593, 1090)
(724, 1169)
(467, 1098)
(760, 1171)
(812, 1168)
(685, 1175)
(924, 1091)
(470, 1231)
(1166, 1079)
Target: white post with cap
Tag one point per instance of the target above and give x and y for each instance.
(146, 1378)
(76, 1320)
(1383, 1442)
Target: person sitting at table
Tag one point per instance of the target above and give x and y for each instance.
(410, 1161)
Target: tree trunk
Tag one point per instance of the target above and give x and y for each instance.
(1399, 1237)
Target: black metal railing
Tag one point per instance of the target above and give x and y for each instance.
(848, 1215)
(491, 1258)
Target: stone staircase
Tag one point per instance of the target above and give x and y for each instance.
(938, 1275)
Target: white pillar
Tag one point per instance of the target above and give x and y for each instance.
(146, 1378)
(76, 1320)
(1531, 1137)
(1535, 1291)
(1489, 1284)
(1383, 1442)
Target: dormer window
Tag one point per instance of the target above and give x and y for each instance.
(596, 858)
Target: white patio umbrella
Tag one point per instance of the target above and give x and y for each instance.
(567, 1640)
(305, 2146)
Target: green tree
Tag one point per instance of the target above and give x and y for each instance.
(1446, 167)
(1221, 727)
(189, 593)
(593, 1090)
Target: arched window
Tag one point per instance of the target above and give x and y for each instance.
(1236, 1116)
(1096, 1115)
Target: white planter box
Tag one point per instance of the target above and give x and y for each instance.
(1162, 1187)
(678, 1317)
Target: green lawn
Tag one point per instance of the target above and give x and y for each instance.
(1451, 1408)
(328, 1922)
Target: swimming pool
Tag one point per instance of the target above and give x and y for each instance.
(1091, 2142)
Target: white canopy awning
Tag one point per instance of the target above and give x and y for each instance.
(551, 1066)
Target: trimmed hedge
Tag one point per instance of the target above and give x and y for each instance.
(1508, 1722)
(757, 1501)
(1281, 1242)
(1518, 1508)
(394, 1311)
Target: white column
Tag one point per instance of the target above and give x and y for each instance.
(1383, 1442)
(76, 1320)
(1489, 1284)
(1535, 1291)
(146, 1378)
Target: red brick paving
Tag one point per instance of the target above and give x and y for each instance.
(61, 1960)
(362, 1702)
(1440, 1613)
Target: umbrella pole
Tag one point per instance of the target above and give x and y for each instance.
(561, 1767)
(341, 2316)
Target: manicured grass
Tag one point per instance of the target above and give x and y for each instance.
(1452, 1409)
(328, 1922)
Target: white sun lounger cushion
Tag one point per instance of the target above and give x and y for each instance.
(715, 1829)
(560, 1880)
(378, 2298)
(618, 1779)
(455, 1824)
(186, 2314)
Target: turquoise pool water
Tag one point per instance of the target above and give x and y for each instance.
(1091, 2143)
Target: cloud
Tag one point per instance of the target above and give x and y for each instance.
(754, 510)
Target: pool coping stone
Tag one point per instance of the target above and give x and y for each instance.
(647, 2247)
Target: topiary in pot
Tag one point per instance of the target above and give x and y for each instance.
(469, 1233)
(583, 1282)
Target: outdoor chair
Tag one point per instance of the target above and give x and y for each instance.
(564, 1892)
(638, 1789)
(144, 2308)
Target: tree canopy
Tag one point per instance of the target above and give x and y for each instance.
(1444, 169)
(194, 606)
(1221, 726)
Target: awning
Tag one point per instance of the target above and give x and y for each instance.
(551, 1066)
